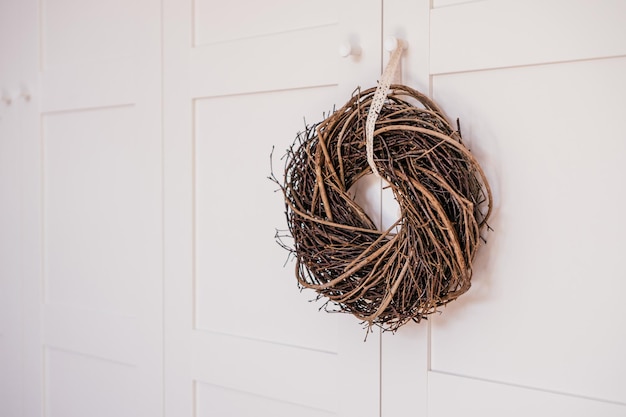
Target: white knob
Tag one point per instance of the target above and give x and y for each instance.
(391, 43)
(25, 93)
(6, 97)
(346, 49)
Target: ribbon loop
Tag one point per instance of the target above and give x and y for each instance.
(377, 104)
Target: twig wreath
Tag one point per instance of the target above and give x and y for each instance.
(423, 261)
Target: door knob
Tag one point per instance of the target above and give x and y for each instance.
(346, 49)
(6, 97)
(25, 93)
(391, 43)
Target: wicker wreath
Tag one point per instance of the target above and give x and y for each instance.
(385, 278)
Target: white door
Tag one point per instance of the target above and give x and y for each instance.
(240, 77)
(18, 110)
(100, 186)
(539, 89)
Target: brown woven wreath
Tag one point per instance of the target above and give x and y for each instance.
(385, 278)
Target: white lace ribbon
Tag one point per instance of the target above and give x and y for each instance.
(377, 104)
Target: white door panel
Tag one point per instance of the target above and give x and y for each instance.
(93, 333)
(279, 61)
(78, 385)
(558, 226)
(236, 221)
(216, 21)
(253, 337)
(215, 400)
(75, 32)
(91, 85)
(503, 33)
(285, 373)
(452, 395)
(102, 218)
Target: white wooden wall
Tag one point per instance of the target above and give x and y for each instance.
(138, 270)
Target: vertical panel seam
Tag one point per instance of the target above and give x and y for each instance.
(163, 262)
(194, 244)
(380, 334)
(429, 323)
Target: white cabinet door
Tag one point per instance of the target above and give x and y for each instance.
(18, 132)
(539, 89)
(542, 108)
(101, 198)
(240, 76)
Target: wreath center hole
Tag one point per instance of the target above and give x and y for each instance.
(375, 197)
